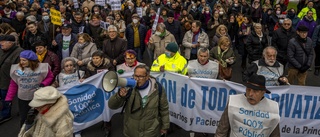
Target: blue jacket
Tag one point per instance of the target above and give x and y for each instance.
(130, 38)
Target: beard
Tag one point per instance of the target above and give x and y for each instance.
(269, 62)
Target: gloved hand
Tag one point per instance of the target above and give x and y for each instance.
(32, 113)
(304, 68)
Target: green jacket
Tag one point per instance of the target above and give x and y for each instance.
(147, 121)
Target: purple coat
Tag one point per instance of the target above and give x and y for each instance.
(311, 25)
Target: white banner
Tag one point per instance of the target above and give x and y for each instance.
(154, 26)
(100, 2)
(75, 4)
(139, 11)
(115, 5)
(196, 104)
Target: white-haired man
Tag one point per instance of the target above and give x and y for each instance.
(268, 67)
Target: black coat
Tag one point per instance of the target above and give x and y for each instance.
(255, 47)
(280, 40)
(30, 38)
(297, 58)
(175, 29)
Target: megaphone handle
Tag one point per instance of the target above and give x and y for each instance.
(127, 97)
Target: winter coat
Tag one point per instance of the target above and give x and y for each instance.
(59, 40)
(127, 15)
(215, 56)
(177, 64)
(159, 44)
(216, 39)
(30, 38)
(130, 36)
(147, 121)
(296, 55)
(224, 128)
(76, 26)
(255, 47)
(175, 29)
(83, 54)
(7, 58)
(114, 50)
(51, 29)
(57, 122)
(93, 69)
(54, 62)
(195, 13)
(275, 71)
(203, 40)
(311, 25)
(304, 12)
(95, 32)
(280, 41)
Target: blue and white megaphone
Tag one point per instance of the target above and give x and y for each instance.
(111, 80)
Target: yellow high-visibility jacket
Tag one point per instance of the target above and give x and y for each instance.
(177, 64)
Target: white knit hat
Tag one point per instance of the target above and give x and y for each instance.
(43, 96)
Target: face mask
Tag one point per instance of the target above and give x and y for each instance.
(87, 18)
(281, 21)
(207, 12)
(168, 3)
(135, 21)
(62, 20)
(220, 12)
(193, 7)
(157, 33)
(278, 12)
(236, 5)
(192, 2)
(129, 7)
(152, 3)
(89, 0)
(96, 12)
(45, 18)
(168, 54)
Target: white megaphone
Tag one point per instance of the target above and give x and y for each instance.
(111, 80)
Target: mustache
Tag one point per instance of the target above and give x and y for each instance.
(251, 98)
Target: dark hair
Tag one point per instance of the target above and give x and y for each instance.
(98, 53)
(198, 23)
(32, 23)
(143, 66)
(39, 43)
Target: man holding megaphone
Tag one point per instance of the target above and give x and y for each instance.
(147, 110)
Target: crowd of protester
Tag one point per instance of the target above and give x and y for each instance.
(197, 34)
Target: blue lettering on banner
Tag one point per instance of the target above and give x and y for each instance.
(86, 102)
(187, 97)
(248, 133)
(213, 99)
(171, 89)
(297, 105)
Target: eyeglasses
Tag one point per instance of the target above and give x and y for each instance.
(288, 24)
(138, 77)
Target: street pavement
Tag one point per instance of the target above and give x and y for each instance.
(11, 128)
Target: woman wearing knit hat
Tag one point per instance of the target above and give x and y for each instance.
(50, 115)
(27, 77)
